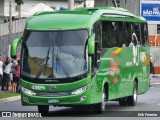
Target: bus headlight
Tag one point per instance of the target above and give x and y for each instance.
(27, 91)
(80, 90)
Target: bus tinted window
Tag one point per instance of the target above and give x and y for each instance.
(137, 33)
(116, 34)
(144, 33)
(127, 33)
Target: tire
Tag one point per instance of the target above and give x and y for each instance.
(100, 107)
(43, 109)
(132, 100)
(123, 102)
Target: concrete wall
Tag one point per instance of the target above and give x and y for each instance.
(1, 7)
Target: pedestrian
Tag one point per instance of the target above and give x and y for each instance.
(151, 68)
(1, 70)
(16, 79)
(14, 67)
(7, 73)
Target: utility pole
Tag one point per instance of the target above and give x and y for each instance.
(10, 25)
(10, 18)
(84, 3)
(71, 4)
(115, 3)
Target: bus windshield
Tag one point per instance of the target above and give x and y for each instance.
(54, 54)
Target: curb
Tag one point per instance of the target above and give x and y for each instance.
(9, 99)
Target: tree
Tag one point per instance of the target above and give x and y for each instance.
(19, 3)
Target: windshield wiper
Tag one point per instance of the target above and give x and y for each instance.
(43, 64)
(61, 65)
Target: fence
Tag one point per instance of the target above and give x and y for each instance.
(17, 30)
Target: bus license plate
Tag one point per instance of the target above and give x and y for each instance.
(53, 101)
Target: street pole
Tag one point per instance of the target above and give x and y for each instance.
(115, 1)
(135, 7)
(10, 25)
(71, 4)
(84, 3)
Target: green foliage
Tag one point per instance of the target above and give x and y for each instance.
(19, 2)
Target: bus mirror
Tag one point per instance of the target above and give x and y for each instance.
(14, 45)
(91, 45)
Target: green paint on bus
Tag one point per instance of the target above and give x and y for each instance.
(84, 57)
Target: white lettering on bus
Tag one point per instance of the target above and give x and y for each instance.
(38, 87)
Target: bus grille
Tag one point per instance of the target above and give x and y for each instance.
(53, 94)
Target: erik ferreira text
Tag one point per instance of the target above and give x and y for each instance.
(147, 114)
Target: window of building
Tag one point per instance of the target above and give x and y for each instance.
(158, 29)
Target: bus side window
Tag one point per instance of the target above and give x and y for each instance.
(98, 44)
(114, 34)
(105, 34)
(136, 34)
(127, 33)
(144, 33)
(121, 34)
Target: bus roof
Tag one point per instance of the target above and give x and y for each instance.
(79, 18)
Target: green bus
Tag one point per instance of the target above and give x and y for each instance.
(83, 57)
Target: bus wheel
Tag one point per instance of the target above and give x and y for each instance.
(100, 107)
(123, 102)
(132, 100)
(43, 109)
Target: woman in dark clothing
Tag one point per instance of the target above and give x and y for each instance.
(151, 68)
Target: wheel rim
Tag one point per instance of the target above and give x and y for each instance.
(135, 94)
(103, 102)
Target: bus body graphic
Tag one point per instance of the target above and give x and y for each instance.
(114, 68)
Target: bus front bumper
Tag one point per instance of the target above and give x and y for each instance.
(80, 99)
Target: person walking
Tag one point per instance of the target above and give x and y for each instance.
(1, 70)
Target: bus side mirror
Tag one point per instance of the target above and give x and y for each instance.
(91, 45)
(14, 45)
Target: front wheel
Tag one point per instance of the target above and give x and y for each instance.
(100, 107)
(43, 109)
(132, 100)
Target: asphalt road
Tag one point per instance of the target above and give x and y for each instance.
(148, 103)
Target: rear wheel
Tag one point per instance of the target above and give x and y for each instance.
(132, 100)
(123, 102)
(100, 107)
(43, 109)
